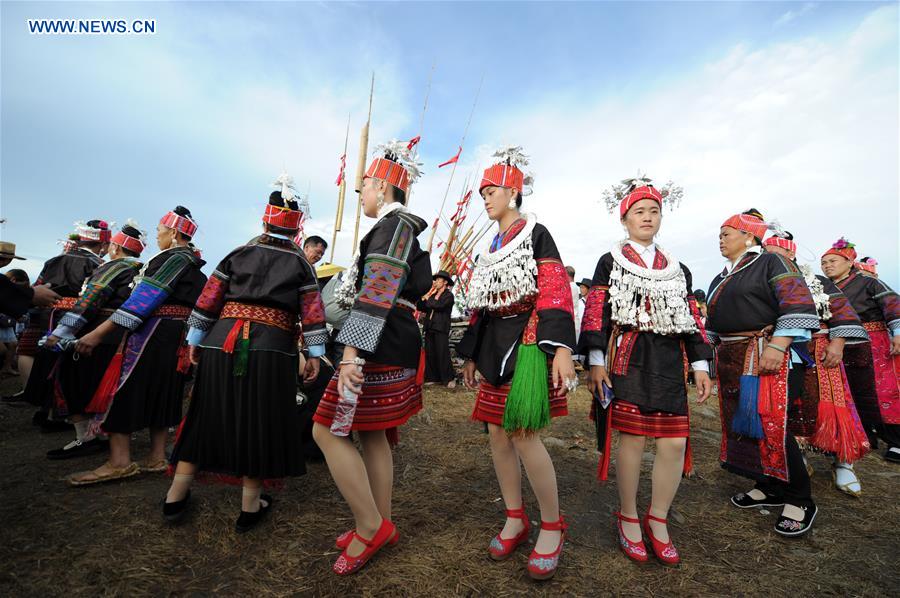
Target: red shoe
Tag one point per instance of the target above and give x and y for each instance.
(543, 566)
(636, 551)
(664, 552)
(343, 541)
(501, 549)
(346, 564)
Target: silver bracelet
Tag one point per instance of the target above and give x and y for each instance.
(354, 361)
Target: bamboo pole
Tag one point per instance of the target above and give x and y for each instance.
(361, 165)
(342, 192)
(422, 123)
(453, 171)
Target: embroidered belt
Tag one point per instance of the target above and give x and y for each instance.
(407, 305)
(270, 316)
(65, 303)
(521, 307)
(876, 326)
(173, 312)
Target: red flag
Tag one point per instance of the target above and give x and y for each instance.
(340, 178)
(452, 160)
(413, 142)
(461, 206)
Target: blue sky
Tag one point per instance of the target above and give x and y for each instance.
(789, 107)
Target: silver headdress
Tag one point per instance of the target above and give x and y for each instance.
(671, 193)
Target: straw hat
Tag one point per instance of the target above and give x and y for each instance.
(8, 250)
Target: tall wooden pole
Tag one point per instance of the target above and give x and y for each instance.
(422, 123)
(361, 165)
(342, 192)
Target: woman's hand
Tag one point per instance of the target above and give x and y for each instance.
(469, 374)
(87, 343)
(311, 370)
(895, 345)
(704, 386)
(350, 378)
(834, 353)
(771, 359)
(194, 354)
(563, 372)
(51, 341)
(597, 377)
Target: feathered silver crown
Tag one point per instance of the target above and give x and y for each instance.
(285, 183)
(513, 155)
(400, 152)
(671, 193)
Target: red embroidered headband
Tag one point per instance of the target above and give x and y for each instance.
(630, 191)
(128, 242)
(282, 217)
(390, 171)
(508, 171)
(182, 224)
(843, 248)
(100, 232)
(748, 224)
(396, 163)
(644, 192)
(781, 242)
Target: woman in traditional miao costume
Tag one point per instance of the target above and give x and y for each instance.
(520, 340)
(143, 386)
(66, 274)
(77, 376)
(758, 306)
(824, 415)
(873, 370)
(641, 331)
(382, 353)
(243, 419)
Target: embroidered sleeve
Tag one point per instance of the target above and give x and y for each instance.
(795, 306)
(312, 315)
(384, 272)
(210, 303)
(888, 302)
(595, 322)
(556, 320)
(96, 292)
(697, 345)
(152, 291)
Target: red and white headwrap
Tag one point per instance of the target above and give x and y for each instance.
(283, 216)
(182, 224)
(395, 162)
(94, 230)
(843, 248)
(135, 244)
(507, 171)
(748, 223)
(775, 241)
(631, 191)
(868, 264)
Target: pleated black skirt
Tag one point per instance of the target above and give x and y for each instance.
(152, 395)
(246, 425)
(79, 378)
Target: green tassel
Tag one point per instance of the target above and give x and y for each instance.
(528, 402)
(242, 354)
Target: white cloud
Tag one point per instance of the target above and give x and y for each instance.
(804, 131)
(794, 14)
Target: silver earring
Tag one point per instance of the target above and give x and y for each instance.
(748, 243)
(380, 198)
(512, 204)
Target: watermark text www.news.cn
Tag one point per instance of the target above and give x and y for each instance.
(91, 26)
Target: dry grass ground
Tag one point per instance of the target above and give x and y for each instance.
(109, 539)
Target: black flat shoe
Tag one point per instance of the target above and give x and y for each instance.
(248, 521)
(792, 528)
(892, 454)
(78, 448)
(745, 501)
(174, 512)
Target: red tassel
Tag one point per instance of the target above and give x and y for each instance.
(184, 359)
(231, 339)
(420, 371)
(108, 385)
